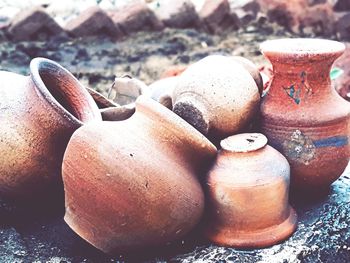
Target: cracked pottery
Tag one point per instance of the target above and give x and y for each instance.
(120, 103)
(39, 113)
(133, 184)
(217, 95)
(247, 193)
(302, 114)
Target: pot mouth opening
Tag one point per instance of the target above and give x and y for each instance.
(302, 47)
(243, 143)
(63, 91)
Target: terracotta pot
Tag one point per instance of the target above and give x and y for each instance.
(248, 194)
(217, 95)
(141, 177)
(302, 114)
(39, 114)
(162, 90)
(121, 105)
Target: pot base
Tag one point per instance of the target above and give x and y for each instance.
(256, 239)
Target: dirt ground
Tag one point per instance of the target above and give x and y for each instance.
(38, 233)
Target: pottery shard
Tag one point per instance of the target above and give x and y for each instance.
(177, 14)
(136, 16)
(214, 15)
(33, 23)
(93, 21)
(342, 5)
(343, 25)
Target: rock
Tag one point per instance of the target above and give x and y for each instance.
(177, 14)
(32, 24)
(342, 83)
(136, 16)
(342, 5)
(343, 25)
(245, 11)
(318, 20)
(214, 15)
(93, 21)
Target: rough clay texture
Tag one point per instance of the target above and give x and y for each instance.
(39, 234)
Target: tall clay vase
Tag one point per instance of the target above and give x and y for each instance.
(134, 183)
(38, 113)
(302, 114)
(248, 190)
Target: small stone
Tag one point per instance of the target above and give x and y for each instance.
(177, 14)
(136, 16)
(341, 5)
(214, 14)
(31, 23)
(93, 21)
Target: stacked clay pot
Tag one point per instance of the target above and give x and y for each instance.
(248, 194)
(302, 114)
(217, 95)
(39, 113)
(135, 183)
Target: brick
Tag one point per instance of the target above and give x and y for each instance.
(93, 21)
(33, 23)
(136, 16)
(214, 15)
(177, 14)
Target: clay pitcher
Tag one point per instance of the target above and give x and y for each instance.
(134, 183)
(39, 113)
(302, 114)
(248, 189)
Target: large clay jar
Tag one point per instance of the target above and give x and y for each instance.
(217, 95)
(39, 113)
(132, 184)
(302, 114)
(248, 194)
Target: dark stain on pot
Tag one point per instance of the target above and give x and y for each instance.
(336, 141)
(300, 147)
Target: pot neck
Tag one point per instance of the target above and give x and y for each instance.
(63, 91)
(172, 131)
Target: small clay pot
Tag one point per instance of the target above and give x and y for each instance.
(302, 115)
(133, 184)
(39, 113)
(248, 194)
(217, 95)
(126, 90)
(162, 90)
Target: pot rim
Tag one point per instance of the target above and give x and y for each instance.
(87, 109)
(183, 127)
(293, 48)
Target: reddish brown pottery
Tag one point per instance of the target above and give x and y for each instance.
(302, 114)
(133, 184)
(248, 194)
(39, 113)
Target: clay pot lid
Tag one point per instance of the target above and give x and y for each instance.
(243, 143)
(301, 47)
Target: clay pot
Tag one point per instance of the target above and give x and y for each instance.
(39, 114)
(248, 194)
(141, 177)
(125, 90)
(253, 70)
(162, 90)
(217, 95)
(302, 114)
